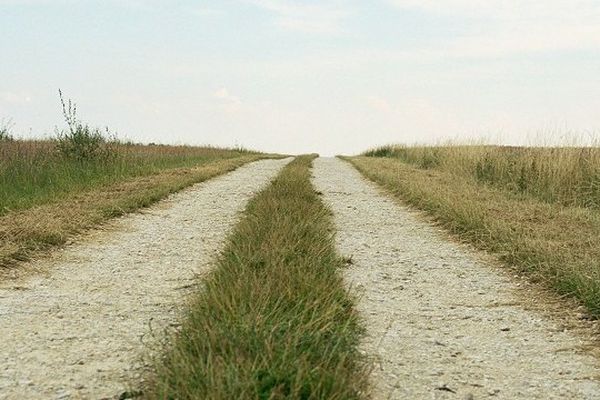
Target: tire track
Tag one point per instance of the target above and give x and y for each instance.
(441, 323)
(80, 330)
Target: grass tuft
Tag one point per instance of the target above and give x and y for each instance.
(80, 142)
(273, 320)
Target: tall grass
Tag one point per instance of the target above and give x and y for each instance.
(37, 172)
(566, 175)
(273, 320)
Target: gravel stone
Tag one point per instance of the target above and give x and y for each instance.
(417, 290)
(84, 326)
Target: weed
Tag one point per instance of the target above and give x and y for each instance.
(80, 142)
(6, 131)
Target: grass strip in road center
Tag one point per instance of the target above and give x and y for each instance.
(273, 320)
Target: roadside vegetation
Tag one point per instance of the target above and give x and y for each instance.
(53, 189)
(80, 157)
(36, 172)
(569, 176)
(273, 320)
(537, 209)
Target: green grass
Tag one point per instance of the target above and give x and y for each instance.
(35, 172)
(27, 232)
(273, 320)
(554, 244)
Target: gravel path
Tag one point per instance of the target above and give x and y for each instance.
(442, 323)
(80, 330)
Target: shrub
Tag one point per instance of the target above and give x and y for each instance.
(81, 142)
(5, 131)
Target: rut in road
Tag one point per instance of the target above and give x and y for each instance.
(441, 322)
(80, 330)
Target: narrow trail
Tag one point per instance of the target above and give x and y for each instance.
(80, 329)
(441, 322)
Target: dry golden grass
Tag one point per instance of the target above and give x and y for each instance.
(552, 243)
(566, 175)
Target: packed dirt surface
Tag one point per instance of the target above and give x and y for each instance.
(442, 322)
(80, 329)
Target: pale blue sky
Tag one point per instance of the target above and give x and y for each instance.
(327, 76)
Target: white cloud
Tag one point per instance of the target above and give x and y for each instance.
(228, 102)
(504, 27)
(14, 98)
(506, 9)
(323, 17)
(416, 117)
(379, 104)
(223, 94)
(206, 11)
(22, 2)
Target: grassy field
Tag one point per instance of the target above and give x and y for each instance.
(273, 320)
(566, 175)
(537, 209)
(53, 189)
(47, 196)
(37, 172)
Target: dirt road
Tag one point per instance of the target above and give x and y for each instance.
(80, 329)
(442, 322)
